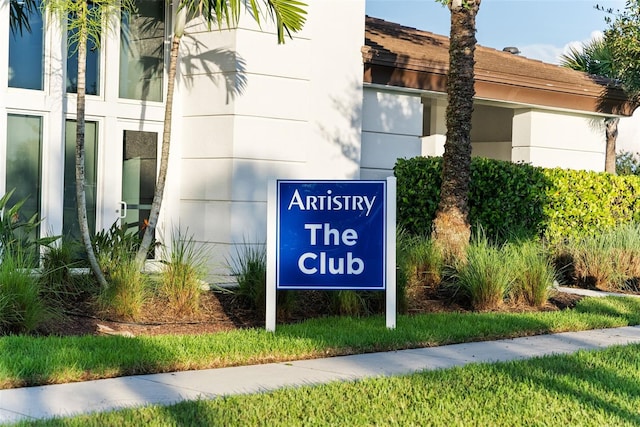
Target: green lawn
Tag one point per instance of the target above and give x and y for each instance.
(598, 388)
(48, 360)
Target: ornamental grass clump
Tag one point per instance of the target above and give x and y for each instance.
(609, 260)
(591, 260)
(626, 256)
(248, 265)
(128, 288)
(420, 267)
(486, 277)
(348, 303)
(183, 273)
(533, 273)
(127, 292)
(61, 286)
(427, 261)
(22, 307)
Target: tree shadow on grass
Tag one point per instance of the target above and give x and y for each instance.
(585, 379)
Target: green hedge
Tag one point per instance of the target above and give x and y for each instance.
(518, 198)
(581, 202)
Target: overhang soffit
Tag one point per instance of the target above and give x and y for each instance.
(405, 63)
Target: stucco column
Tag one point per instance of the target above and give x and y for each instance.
(521, 144)
(433, 144)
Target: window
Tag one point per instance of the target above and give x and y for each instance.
(70, 225)
(142, 52)
(92, 72)
(139, 165)
(23, 162)
(26, 54)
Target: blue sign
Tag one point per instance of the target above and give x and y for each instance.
(331, 235)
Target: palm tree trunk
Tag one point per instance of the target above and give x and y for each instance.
(80, 160)
(612, 135)
(451, 230)
(149, 231)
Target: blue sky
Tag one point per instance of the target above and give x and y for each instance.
(541, 29)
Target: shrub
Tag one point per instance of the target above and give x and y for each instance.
(18, 234)
(553, 203)
(627, 163)
(183, 273)
(114, 246)
(418, 192)
(502, 195)
(583, 203)
(485, 278)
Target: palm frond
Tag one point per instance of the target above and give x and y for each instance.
(19, 13)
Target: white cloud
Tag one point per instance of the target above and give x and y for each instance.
(542, 52)
(595, 35)
(551, 54)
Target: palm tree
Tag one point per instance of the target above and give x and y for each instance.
(84, 21)
(19, 12)
(451, 229)
(596, 58)
(288, 16)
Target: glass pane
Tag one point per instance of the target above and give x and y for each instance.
(24, 146)
(142, 52)
(92, 73)
(26, 55)
(138, 176)
(70, 225)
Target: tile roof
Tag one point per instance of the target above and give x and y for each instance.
(401, 56)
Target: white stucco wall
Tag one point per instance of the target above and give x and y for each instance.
(629, 133)
(555, 139)
(492, 150)
(391, 129)
(295, 113)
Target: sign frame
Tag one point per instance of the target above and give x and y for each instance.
(387, 257)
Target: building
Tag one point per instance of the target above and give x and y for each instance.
(524, 110)
(327, 104)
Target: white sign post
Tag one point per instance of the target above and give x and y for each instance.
(331, 235)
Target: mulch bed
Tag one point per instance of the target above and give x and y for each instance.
(224, 312)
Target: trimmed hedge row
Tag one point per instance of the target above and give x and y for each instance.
(522, 199)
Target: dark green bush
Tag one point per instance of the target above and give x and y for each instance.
(507, 197)
(418, 192)
(503, 195)
(520, 199)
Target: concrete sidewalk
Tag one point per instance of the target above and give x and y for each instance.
(110, 394)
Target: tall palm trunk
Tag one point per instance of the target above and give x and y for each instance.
(149, 232)
(288, 15)
(451, 229)
(611, 125)
(80, 155)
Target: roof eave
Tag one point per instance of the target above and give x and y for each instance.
(381, 69)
